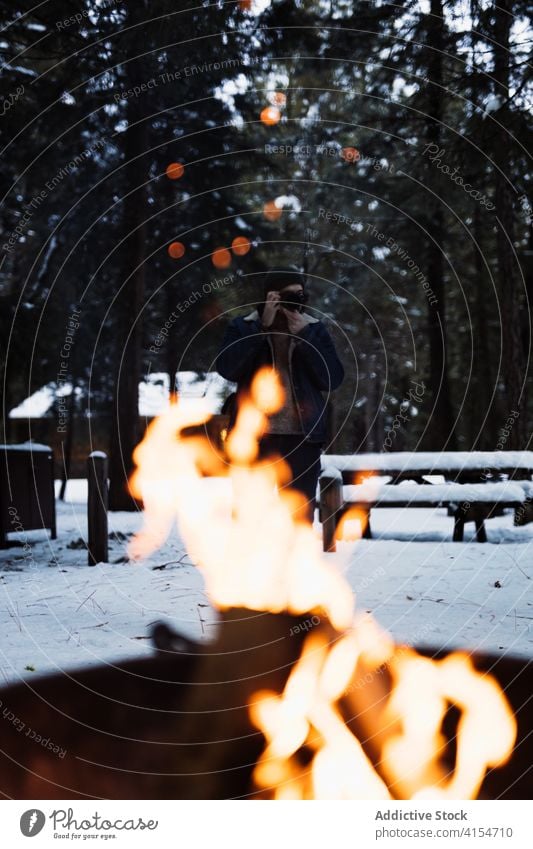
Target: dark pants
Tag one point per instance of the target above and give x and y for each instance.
(304, 461)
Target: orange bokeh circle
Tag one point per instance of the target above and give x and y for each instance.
(240, 245)
(271, 211)
(175, 170)
(176, 250)
(350, 154)
(270, 115)
(221, 258)
(278, 98)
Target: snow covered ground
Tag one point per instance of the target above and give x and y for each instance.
(56, 612)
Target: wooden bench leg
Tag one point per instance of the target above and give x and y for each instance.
(367, 531)
(53, 525)
(330, 508)
(458, 527)
(481, 533)
(328, 534)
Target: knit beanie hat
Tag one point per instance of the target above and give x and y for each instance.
(277, 277)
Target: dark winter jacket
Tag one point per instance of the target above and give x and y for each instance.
(314, 366)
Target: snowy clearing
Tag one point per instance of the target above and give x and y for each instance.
(56, 612)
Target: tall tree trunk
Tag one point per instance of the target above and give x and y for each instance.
(514, 376)
(527, 311)
(440, 432)
(376, 400)
(126, 428)
(483, 408)
(171, 344)
(484, 433)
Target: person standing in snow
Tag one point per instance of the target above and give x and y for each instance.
(279, 333)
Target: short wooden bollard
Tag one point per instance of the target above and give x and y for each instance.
(97, 502)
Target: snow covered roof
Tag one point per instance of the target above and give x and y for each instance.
(36, 406)
(154, 391)
(153, 394)
(26, 446)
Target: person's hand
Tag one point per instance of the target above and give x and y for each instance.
(270, 309)
(295, 321)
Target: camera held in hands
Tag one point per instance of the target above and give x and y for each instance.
(293, 301)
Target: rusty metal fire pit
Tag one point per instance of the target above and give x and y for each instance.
(177, 725)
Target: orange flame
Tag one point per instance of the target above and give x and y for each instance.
(247, 560)
(352, 524)
(306, 714)
(259, 556)
(486, 731)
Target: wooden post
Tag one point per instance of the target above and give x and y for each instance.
(330, 506)
(459, 524)
(53, 527)
(97, 501)
(367, 530)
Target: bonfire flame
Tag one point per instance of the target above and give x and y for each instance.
(250, 549)
(255, 553)
(486, 730)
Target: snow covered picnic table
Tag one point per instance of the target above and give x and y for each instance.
(477, 489)
(431, 462)
(444, 494)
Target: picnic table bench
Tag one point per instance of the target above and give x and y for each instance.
(355, 481)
